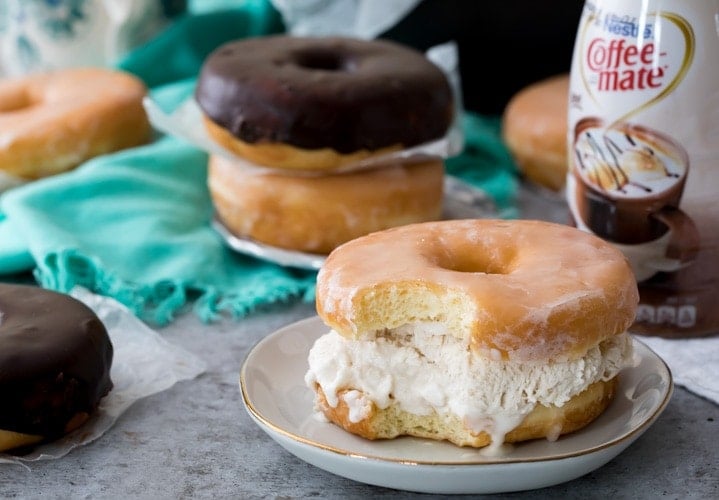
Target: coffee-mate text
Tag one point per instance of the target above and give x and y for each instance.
(621, 66)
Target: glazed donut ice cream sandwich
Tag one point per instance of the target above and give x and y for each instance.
(478, 332)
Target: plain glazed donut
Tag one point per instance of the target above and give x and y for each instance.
(320, 103)
(315, 214)
(522, 290)
(477, 332)
(52, 122)
(55, 358)
(534, 128)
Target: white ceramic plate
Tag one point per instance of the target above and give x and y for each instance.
(274, 394)
(461, 201)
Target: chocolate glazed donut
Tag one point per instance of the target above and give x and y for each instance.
(312, 93)
(55, 358)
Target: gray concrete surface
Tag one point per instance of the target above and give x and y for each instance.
(196, 441)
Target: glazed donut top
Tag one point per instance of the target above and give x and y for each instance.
(313, 93)
(526, 290)
(53, 121)
(55, 358)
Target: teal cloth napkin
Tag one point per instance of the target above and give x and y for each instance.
(135, 225)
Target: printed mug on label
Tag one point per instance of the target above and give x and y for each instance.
(634, 201)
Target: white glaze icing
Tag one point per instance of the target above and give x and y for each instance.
(525, 286)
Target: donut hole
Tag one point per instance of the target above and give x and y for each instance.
(17, 100)
(475, 265)
(323, 60)
(478, 260)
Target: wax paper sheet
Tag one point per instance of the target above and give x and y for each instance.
(185, 122)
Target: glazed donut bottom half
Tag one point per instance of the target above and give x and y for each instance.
(317, 213)
(543, 422)
(10, 440)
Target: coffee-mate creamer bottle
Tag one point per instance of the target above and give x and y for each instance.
(644, 151)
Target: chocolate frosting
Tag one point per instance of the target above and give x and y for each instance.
(312, 93)
(55, 358)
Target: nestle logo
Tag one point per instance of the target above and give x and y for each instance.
(627, 26)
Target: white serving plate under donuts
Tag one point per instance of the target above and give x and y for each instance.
(274, 394)
(461, 201)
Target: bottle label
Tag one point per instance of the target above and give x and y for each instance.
(644, 151)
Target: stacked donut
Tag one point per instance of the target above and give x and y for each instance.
(302, 110)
